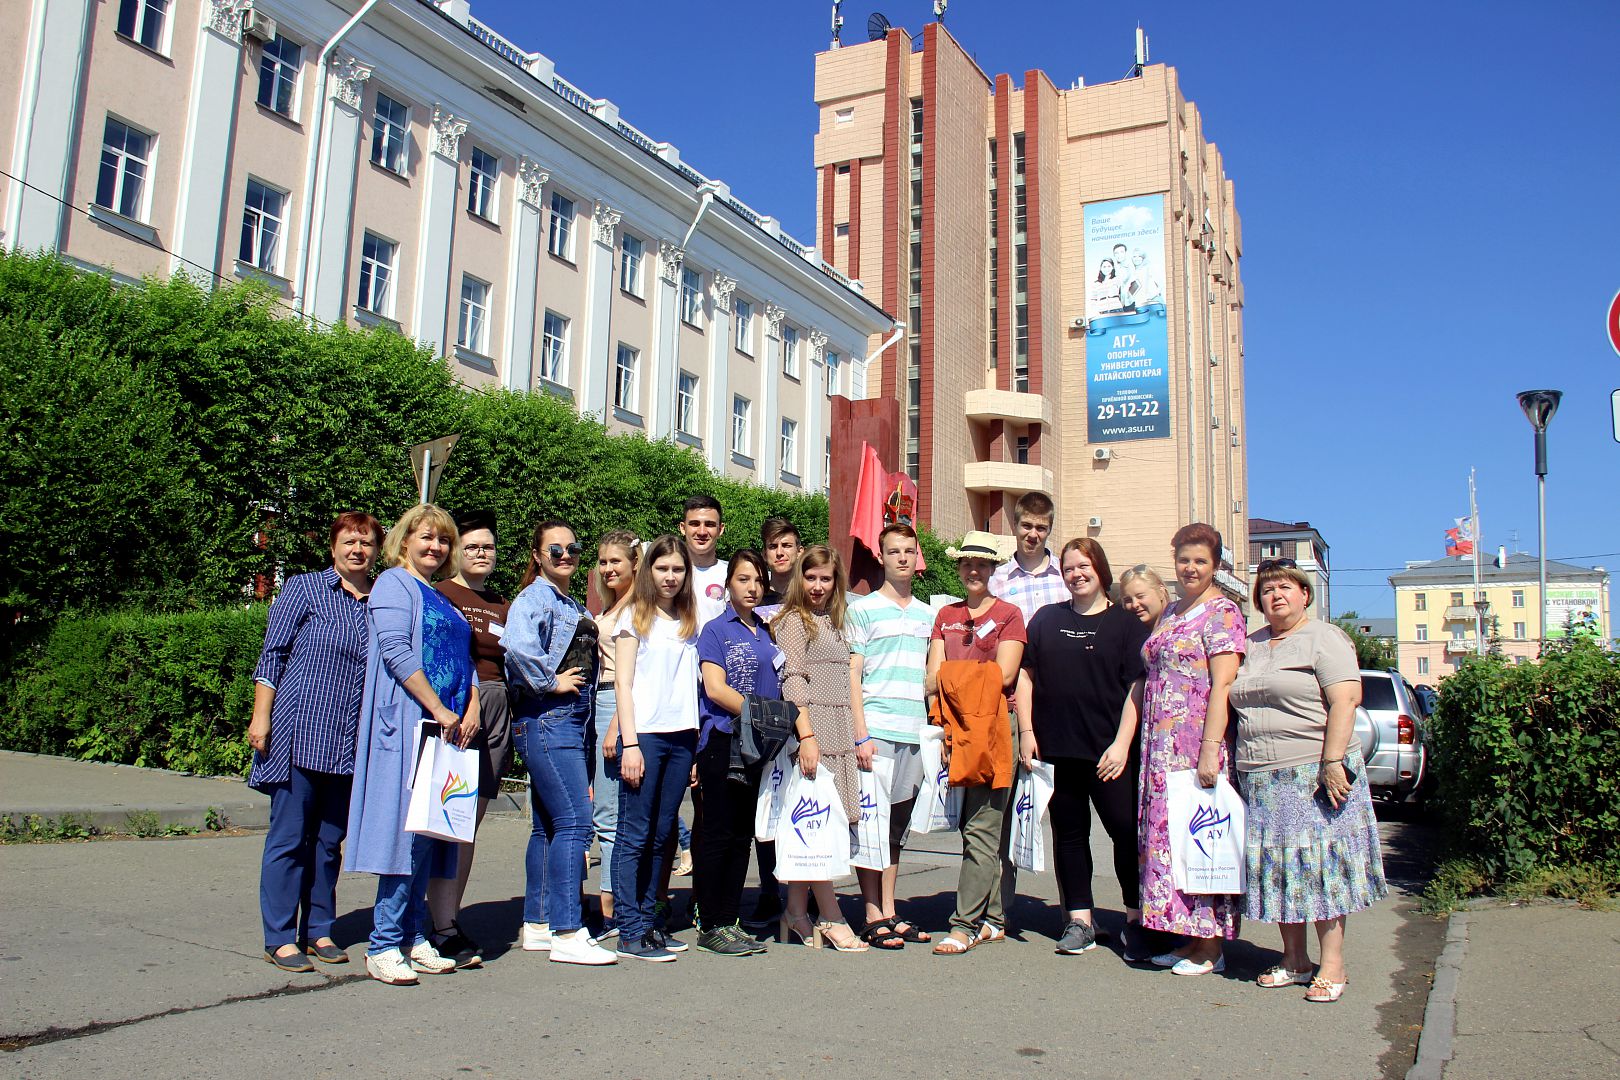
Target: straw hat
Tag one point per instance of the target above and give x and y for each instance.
(977, 545)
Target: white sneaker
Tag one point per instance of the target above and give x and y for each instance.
(536, 937)
(578, 948)
(389, 967)
(426, 959)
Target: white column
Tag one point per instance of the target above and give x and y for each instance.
(770, 424)
(665, 350)
(598, 347)
(815, 406)
(210, 136)
(42, 151)
(333, 199)
(523, 276)
(433, 286)
(717, 433)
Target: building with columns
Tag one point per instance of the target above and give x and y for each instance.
(402, 164)
(1066, 262)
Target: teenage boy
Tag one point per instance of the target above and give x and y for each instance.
(701, 528)
(888, 635)
(779, 540)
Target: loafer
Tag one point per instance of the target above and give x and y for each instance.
(1193, 967)
(328, 954)
(390, 966)
(294, 964)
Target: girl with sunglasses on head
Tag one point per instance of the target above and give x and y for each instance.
(617, 554)
(551, 646)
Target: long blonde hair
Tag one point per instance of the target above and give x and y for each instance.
(627, 542)
(644, 593)
(393, 547)
(797, 600)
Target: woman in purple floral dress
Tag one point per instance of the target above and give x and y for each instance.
(1192, 658)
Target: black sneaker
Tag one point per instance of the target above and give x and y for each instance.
(739, 934)
(1077, 938)
(721, 943)
(1134, 946)
(673, 944)
(766, 913)
(459, 947)
(649, 948)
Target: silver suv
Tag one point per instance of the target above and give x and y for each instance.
(1390, 725)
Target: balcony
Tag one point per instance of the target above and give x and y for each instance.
(1461, 646)
(1459, 613)
(1008, 476)
(986, 405)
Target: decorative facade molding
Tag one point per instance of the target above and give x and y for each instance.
(447, 133)
(604, 219)
(773, 320)
(531, 178)
(722, 288)
(818, 346)
(227, 17)
(670, 259)
(348, 79)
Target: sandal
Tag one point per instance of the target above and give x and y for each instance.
(955, 944)
(1277, 977)
(990, 933)
(882, 935)
(908, 931)
(1325, 993)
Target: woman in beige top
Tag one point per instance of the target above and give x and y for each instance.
(1312, 840)
(616, 558)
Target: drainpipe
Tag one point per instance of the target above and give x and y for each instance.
(899, 332)
(707, 190)
(316, 146)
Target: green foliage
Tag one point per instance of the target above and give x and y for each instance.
(143, 823)
(940, 578)
(1374, 653)
(34, 829)
(1528, 762)
(215, 820)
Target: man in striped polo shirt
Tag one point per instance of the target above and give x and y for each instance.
(888, 634)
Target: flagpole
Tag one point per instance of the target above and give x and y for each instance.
(1479, 599)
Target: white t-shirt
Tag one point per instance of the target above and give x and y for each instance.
(665, 691)
(709, 586)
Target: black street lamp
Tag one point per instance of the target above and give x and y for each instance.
(1539, 407)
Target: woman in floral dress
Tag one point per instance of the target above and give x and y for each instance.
(1192, 658)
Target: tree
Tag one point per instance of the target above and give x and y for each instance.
(1372, 653)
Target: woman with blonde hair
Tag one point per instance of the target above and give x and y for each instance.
(821, 678)
(1142, 592)
(617, 555)
(418, 661)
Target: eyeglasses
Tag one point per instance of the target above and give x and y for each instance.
(967, 632)
(479, 549)
(1277, 564)
(556, 551)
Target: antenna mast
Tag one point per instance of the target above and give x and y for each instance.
(939, 9)
(1141, 52)
(837, 21)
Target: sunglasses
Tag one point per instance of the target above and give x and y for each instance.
(556, 551)
(1277, 564)
(967, 632)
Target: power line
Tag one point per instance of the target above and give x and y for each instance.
(1393, 569)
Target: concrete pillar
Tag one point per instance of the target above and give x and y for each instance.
(598, 346)
(717, 433)
(46, 136)
(210, 137)
(812, 448)
(659, 379)
(523, 275)
(770, 424)
(434, 290)
(333, 201)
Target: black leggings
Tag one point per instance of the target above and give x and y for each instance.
(1075, 791)
(724, 833)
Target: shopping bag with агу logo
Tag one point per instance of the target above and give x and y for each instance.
(444, 788)
(1206, 834)
(772, 787)
(939, 805)
(812, 836)
(869, 837)
(1031, 795)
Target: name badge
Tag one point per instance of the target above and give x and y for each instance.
(778, 659)
(498, 630)
(985, 629)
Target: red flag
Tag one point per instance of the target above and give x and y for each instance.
(866, 524)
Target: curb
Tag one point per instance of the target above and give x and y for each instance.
(1436, 1043)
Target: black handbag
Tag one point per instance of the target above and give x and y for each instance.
(765, 726)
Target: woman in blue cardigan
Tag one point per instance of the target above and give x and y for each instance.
(418, 666)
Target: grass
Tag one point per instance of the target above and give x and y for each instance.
(35, 829)
(1458, 880)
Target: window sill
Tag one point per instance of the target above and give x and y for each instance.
(625, 416)
(791, 376)
(631, 294)
(739, 458)
(248, 272)
(112, 219)
(402, 175)
(791, 479)
(689, 324)
(556, 389)
(147, 49)
(371, 319)
(474, 358)
(744, 352)
(487, 222)
(281, 117)
(687, 439)
(570, 263)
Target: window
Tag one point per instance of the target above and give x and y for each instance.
(278, 74)
(560, 237)
(126, 154)
(554, 349)
(1519, 631)
(473, 330)
(832, 374)
(841, 229)
(1457, 599)
(1518, 598)
(826, 465)
(1021, 450)
(739, 424)
(790, 352)
(1423, 632)
(1421, 602)
(790, 446)
(745, 327)
(482, 179)
(630, 260)
(1458, 633)
(142, 21)
(625, 379)
(390, 132)
(844, 115)
(686, 403)
(263, 214)
(377, 275)
(1423, 665)
(691, 297)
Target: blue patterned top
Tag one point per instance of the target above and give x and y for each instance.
(446, 649)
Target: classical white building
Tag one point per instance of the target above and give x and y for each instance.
(400, 163)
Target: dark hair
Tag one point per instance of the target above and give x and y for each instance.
(895, 527)
(775, 526)
(532, 571)
(1094, 554)
(356, 521)
(702, 502)
(1032, 504)
(1198, 533)
(1270, 572)
(749, 557)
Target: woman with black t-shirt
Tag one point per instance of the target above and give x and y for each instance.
(1081, 660)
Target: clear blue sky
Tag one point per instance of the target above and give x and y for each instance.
(1429, 201)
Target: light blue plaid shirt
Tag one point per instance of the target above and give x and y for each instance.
(1026, 591)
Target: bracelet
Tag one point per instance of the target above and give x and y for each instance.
(1214, 742)
(1333, 761)
(1026, 731)
(632, 746)
(802, 738)
(859, 742)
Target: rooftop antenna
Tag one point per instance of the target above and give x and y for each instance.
(1141, 52)
(837, 21)
(877, 27)
(939, 9)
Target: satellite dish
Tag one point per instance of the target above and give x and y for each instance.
(877, 27)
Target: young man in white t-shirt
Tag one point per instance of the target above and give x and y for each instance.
(701, 528)
(888, 634)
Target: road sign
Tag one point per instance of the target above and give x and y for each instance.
(1614, 407)
(1614, 322)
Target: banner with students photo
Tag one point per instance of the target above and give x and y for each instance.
(1127, 334)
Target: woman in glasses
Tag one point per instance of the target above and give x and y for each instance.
(551, 668)
(1312, 841)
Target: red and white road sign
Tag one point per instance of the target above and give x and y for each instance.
(1614, 322)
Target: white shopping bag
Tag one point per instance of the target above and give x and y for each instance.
(1206, 835)
(869, 837)
(812, 836)
(772, 789)
(444, 788)
(1031, 795)
(939, 806)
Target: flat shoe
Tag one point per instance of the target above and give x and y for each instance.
(951, 945)
(907, 930)
(1168, 960)
(1278, 977)
(1325, 993)
(990, 933)
(328, 954)
(1192, 967)
(294, 964)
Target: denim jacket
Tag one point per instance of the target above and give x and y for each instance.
(539, 626)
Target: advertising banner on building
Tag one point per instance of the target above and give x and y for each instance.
(1127, 338)
(1573, 605)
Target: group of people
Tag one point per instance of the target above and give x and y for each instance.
(616, 715)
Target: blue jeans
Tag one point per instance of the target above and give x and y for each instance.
(647, 817)
(400, 919)
(558, 744)
(605, 792)
(309, 816)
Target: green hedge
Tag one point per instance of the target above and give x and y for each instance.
(1527, 759)
(166, 691)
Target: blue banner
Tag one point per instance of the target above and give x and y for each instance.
(1127, 336)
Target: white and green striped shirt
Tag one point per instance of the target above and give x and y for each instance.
(893, 645)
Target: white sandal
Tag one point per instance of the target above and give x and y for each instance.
(1330, 991)
(1278, 977)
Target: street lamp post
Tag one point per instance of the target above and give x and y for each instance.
(1539, 407)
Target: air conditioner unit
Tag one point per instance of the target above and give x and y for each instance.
(1102, 453)
(1214, 421)
(259, 25)
(1093, 522)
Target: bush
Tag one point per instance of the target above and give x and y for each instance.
(1527, 759)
